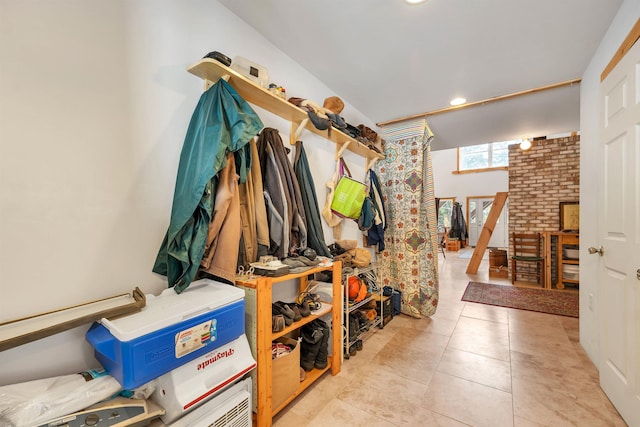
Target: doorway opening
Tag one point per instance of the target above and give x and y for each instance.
(478, 208)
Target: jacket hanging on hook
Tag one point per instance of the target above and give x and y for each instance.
(223, 122)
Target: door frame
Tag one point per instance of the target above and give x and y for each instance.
(504, 214)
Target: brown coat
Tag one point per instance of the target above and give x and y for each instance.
(221, 248)
(253, 212)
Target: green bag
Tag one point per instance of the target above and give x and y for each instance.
(349, 195)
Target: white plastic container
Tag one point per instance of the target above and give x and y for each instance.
(571, 253)
(570, 272)
(254, 72)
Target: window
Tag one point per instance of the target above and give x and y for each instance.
(484, 156)
(444, 213)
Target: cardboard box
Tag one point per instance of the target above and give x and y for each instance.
(453, 245)
(171, 330)
(285, 378)
(497, 258)
(501, 272)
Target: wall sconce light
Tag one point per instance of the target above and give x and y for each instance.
(525, 144)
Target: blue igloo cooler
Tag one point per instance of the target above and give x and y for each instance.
(171, 330)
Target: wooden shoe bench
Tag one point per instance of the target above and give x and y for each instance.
(258, 299)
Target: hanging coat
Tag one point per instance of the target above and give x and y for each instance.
(458, 226)
(253, 214)
(375, 235)
(222, 122)
(315, 234)
(284, 202)
(225, 229)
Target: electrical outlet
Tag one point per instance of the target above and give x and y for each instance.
(591, 302)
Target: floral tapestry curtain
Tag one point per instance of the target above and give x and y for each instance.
(409, 261)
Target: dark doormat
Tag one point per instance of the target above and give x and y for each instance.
(542, 300)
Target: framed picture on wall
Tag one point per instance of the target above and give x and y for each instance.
(569, 216)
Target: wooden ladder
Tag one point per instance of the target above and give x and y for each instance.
(485, 235)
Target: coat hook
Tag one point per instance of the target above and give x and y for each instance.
(208, 83)
(343, 147)
(371, 162)
(301, 127)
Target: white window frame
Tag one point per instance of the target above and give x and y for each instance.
(489, 167)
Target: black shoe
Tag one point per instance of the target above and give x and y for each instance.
(279, 307)
(354, 327)
(352, 350)
(310, 346)
(287, 314)
(323, 352)
(286, 310)
(297, 314)
(304, 308)
(363, 321)
(358, 345)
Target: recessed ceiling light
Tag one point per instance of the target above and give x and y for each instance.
(458, 101)
(414, 1)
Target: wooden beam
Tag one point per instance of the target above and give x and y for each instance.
(485, 235)
(483, 102)
(628, 42)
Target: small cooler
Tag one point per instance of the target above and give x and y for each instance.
(170, 331)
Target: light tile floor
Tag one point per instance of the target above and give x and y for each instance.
(468, 365)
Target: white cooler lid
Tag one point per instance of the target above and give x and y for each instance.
(170, 308)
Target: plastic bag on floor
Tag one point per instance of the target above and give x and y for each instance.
(35, 402)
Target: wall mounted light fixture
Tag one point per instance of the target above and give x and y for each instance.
(525, 144)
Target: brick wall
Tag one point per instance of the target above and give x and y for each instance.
(539, 179)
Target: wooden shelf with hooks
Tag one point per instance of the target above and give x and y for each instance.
(211, 70)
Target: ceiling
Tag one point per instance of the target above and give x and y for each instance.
(392, 60)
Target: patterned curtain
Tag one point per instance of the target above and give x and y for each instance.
(409, 262)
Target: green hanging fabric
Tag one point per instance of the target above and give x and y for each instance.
(222, 122)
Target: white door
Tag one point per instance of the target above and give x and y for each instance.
(479, 208)
(619, 233)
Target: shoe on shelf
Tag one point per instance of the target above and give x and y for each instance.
(277, 323)
(352, 350)
(297, 314)
(354, 327)
(286, 310)
(358, 345)
(312, 337)
(323, 352)
(286, 313)
(304, 308)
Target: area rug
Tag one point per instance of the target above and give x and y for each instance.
(467, 254)
(541, 300)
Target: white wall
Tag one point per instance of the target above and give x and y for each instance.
(464, 185)
(94, 104)
(590, 116)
